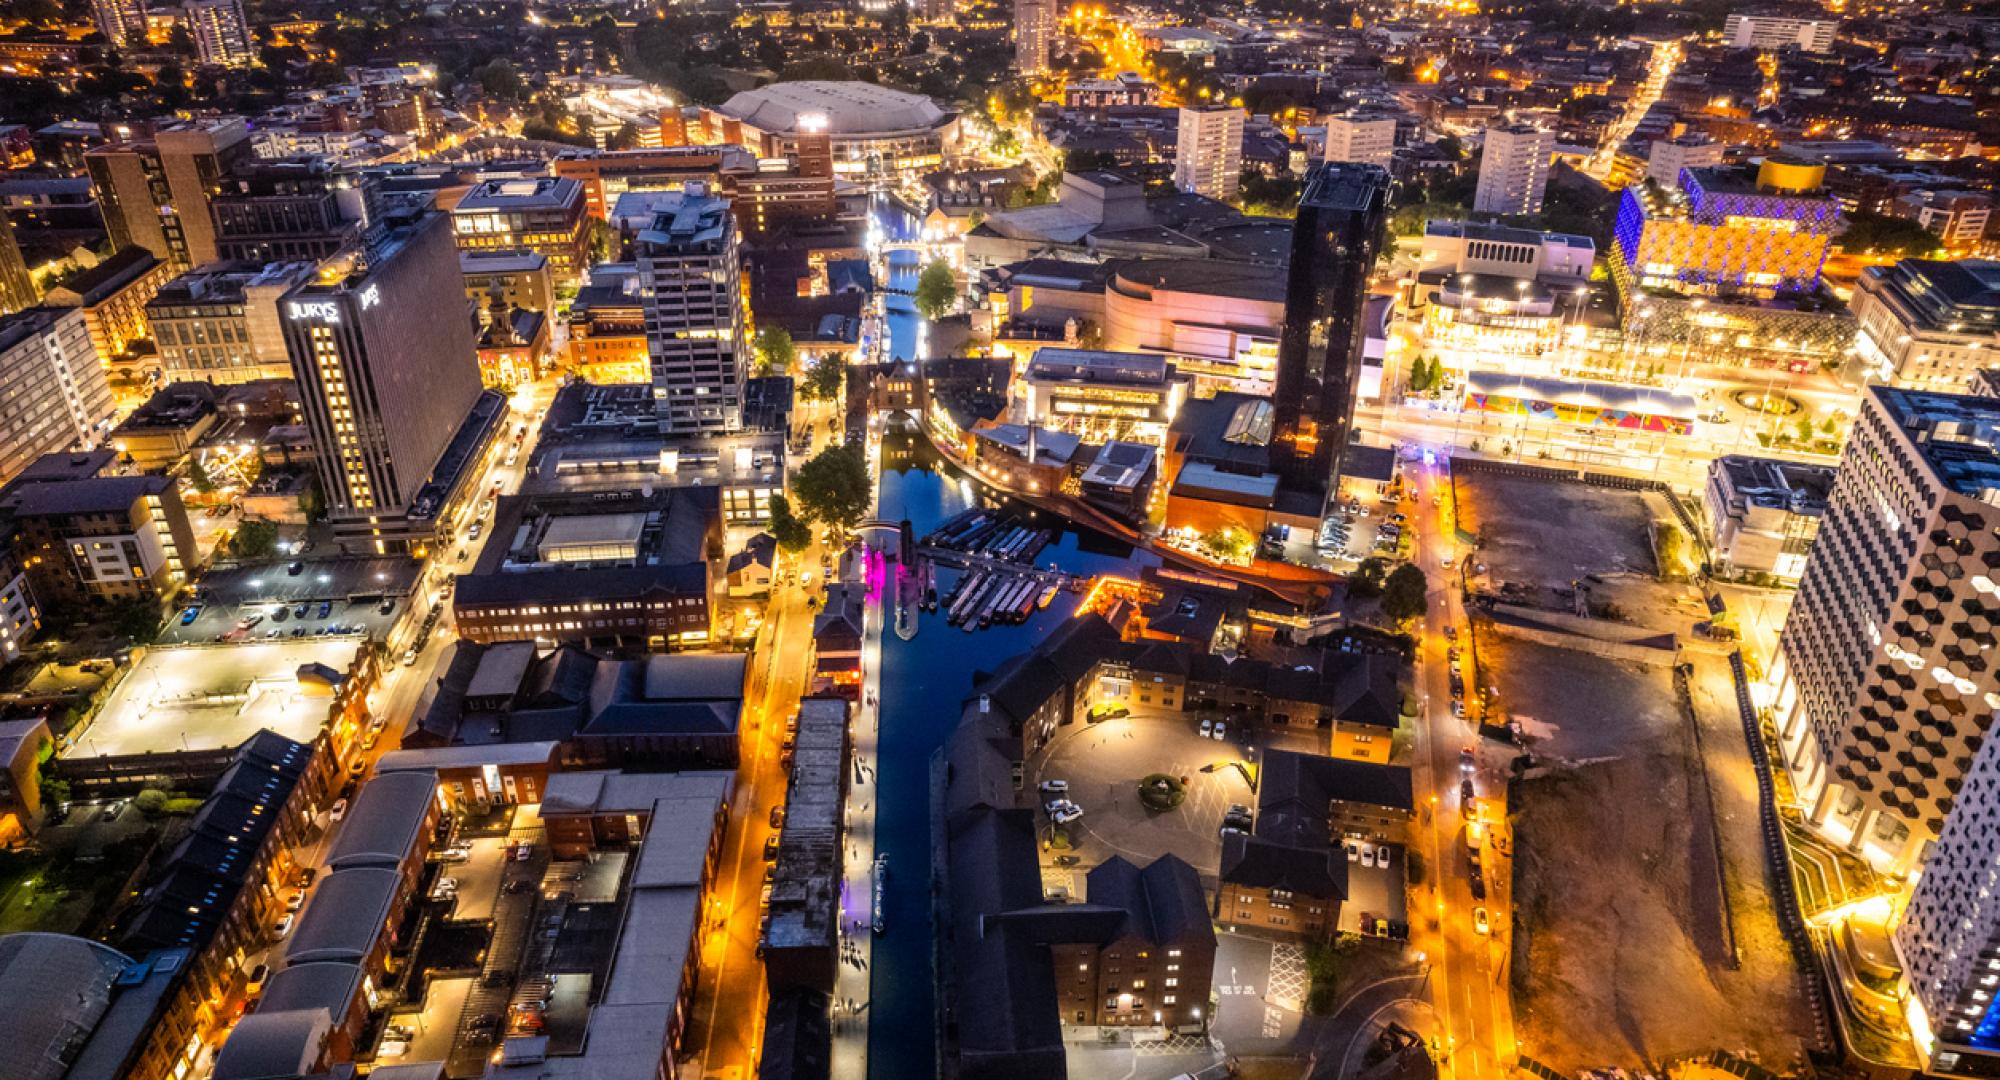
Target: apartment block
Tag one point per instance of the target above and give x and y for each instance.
(100, 537)
(1361, 138)
(1949, 937)
(50, 371)
(155, 192)
(1772, 32)
(1883, 688)
(1035, 30)
(113, 296)
(221, 33)
(1764, 514)
(1208, 157)
(1514, 169)
(689, 286)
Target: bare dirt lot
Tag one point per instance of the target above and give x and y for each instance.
(1642, 927)
(1537, 537)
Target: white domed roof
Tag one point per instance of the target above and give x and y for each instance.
(850, 108)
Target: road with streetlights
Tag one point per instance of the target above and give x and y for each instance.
(1467, 961)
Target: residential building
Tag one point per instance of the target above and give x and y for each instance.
(20, 616)
(1668, 157)
(17, 287)
(626, 572)
(1773, 32)
(221, 33)
(48, 367)
(113, 296)
(1035, 30)
(101, 538)
(1361, 138)
(1881, 690)
(519, 279)
(1341, 220)
(382, 346)
(1514, 169)
(1208, 158)
(1154, 961)
(217, 893)
(690, 289)
(1128, 88)
(1928, 325)
(155, 192)
(1950, 932)
(1764, 513)
(544, 214)
(122, 22)
(1289, 875)
(284, 209)
(220, 323)
(23, 743)
(1958, 218)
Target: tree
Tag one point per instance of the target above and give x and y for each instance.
(198, 475)
(1874, 234)
(775, 352)
(1367, 578)
(1229, 543)
(937, 290)
(833, 488)
(1403, 593)
(254, 540)
(151, 802)
(823, 379)
(625, 138)
(136, 619)
(601, 238)
(791, 534)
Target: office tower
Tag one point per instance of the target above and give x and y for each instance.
(382, 347)
(122, 22)
(1514, 170)
(1339, 228)
(54, 389)
(546, 214)
(1034, 35)
(1884, 685)
(1779, 31)
(1928, 324)
(221, 34)
(17, 286)
(1361, 138)
(1208, 157)
(689, 285)
(282, 209)
(155, 192)
(1949, 939)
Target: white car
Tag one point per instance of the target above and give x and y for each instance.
(1055, 788)
(1221, 730)
(1368, 855)
(284, 926)
(1063, 815)
(1207, 728)
(1479, 923)
(339, 809)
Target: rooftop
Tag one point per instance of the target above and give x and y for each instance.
(206, 698)
(1098, 365)
(847, 108)
(1506, 234)
(522, 193)
(1958, 436)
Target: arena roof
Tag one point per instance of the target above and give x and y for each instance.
(850, 108)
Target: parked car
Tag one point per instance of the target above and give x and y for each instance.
(190, 615)
(1207, 728)
(339, 809)
(771, 847)
(1055, 788)
(325, 608)
(1479, 923)
(258, 974)
(284, 926)
(1221, 730)
(1367, 854)
(778, 816)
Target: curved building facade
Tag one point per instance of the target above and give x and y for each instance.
(874, 131)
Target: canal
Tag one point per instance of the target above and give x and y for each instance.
(923, 681)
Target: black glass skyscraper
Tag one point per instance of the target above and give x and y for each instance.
(1339, 229)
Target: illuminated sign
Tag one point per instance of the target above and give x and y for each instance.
(371, 296)
(315, 310)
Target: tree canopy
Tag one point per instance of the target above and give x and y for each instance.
(1874, 234)
(833, 488)
(1403, 593)
(823, 379)
(775, 352)
(792, 534)
(937, 290)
